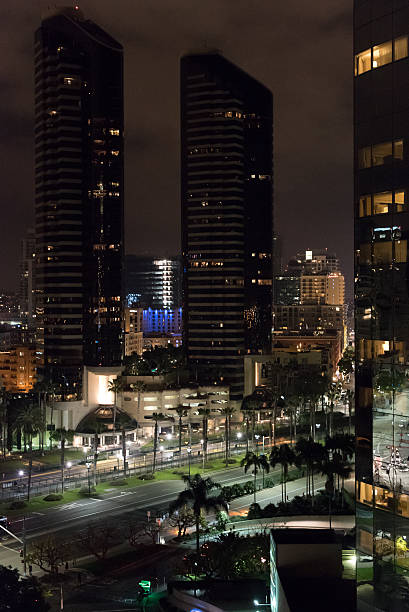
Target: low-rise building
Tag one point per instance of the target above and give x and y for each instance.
(18, 369)
(157, 397)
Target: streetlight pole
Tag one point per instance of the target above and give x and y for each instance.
(189, 450)
(89, 484)
(203, 456)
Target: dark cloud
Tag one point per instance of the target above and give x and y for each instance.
(300, 50)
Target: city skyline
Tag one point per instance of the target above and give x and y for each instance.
(151, 131)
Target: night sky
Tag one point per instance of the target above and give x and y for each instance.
(301, 50)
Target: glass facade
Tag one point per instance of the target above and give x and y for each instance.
(381, 129)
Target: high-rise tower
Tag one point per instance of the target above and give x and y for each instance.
(227, 215)
(381, 134)
(78, 195)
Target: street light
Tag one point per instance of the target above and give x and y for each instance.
(169, 436)
(88, 464)
(189, 450)
(239, 435)
(202, 443)
(69, 466)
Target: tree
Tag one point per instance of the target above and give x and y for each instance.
(331, 467)
(92, 425)
(98, 539)
(4, 404)
(309, 387)
(48, 554)
(257, 462)
(228, 412)
(196, 496)
(138, 387)
(311, 454)
(334, 392)
(20, 594)
(205, 413)
(116, 386)
(285, 456)
(156, 417)
(62, 435)
(181, 412)
(346, 363)
(250, 406)
(124, 423)
(30, 421)
(182, 519)
(350, 398)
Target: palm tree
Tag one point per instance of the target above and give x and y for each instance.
(350, 398)
(138, 386)
(310, 454)
(228, 412)
(125, 422)
(157, 417)
(258, 462)
(284, 455)
(116, 386)
(4, 403)
(250, 406)
(181, 412)
(62, 435)
(205, 413)
(94, 427)
(196, 496)
(333, 395)
(330, 468)
(29, 419)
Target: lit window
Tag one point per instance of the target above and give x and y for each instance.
(398, 149)
(382, 54)
(364, 157)
(115, 153)
(400, 48)
(400, 204)
(114, 132)
(365, 206)
(381, 202)
(381, 153)
(68, 80)
(363, 62)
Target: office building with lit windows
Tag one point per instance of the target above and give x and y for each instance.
(153, 282)
(381, 135)
(227, 225)
(78, 196)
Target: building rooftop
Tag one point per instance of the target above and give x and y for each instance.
(304, 536)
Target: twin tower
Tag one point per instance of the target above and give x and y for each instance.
(226, 199)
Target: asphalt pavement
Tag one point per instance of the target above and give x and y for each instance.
(68, 520)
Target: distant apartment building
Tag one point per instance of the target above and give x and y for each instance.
(18, 369)
(147, 328)
(318, 260)
(322, 288)
(153, 282)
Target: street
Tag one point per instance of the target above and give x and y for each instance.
(68, 520)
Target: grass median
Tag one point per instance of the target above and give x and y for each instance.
(38, 504)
